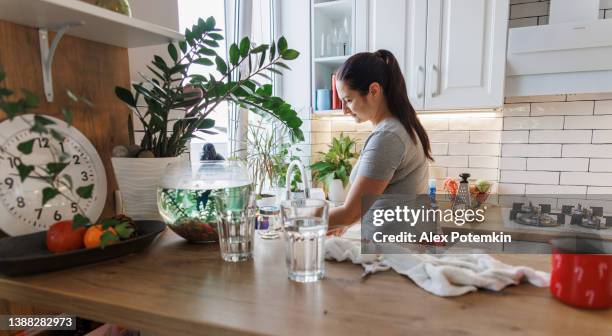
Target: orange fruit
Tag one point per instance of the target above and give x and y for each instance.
(93, 236)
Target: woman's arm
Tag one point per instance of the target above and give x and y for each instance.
(350, 211)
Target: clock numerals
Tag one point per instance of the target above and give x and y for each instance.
(20, 202)
(84, 176)
(15, 162)
(38, 213)
(57, 216)
(43, 142)
(9, 182)
(77, 159)
(74, 208)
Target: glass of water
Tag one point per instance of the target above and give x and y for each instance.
(304, 228)
(236, 224)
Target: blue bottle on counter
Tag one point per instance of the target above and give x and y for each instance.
(432, 193)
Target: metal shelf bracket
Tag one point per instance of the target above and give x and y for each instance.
(47, 52)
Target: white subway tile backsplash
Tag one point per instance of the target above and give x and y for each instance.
(450, 161)
(480, 124)
(603, 106)
(599, 191)
(601, 165)
(589, 96)
(530, 177)
(535, 189)
(485, 136)
(527, 123)
(439, 148)
(591, 179)
(529, 9)
(592, 122)
(602, 137)
(511, 189)
(573, 164)
(513, 163)
(514, 136)
(438, 172)
(435, 124)
(484, 161)
(562, 108)
(592, 151)
(475, 173)
(517, 110)
(343, 126)
(449, 136)
(317, 138)
(535, 99)
(320, 125)
(531, 150)
(560, 136)
(473, 149)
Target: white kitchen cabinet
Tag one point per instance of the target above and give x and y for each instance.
(452, 52)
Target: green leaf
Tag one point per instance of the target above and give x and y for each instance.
(24, 171)
(211, 43)
(206, 123)
(57, 135)
(210, 23)
(215, 36)
(67, 114)
(79, 220)
(56, 167)
(207, 51)
(173, 52)
(107, 238)
(221, 66)
(282, 65)
(109, 222)
(48, 194)
(203, 61)
(26, 147)
(160, 63)
(282, 45)
(234, 54)
(183, 46)
(124, 230)
(290, 54)
(245, 45)
(86, 191)
(259, 49)
(272, 51)
(44, 121)
(30, 99)
(125, 95)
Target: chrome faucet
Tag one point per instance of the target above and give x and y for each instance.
(300, 166)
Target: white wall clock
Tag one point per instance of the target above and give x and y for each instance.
(20, 203)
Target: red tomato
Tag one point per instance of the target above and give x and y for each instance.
(62, 238)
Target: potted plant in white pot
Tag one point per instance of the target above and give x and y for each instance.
(173, 88)
(335, 167)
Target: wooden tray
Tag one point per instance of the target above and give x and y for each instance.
(28, 254)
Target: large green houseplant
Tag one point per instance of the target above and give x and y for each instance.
(334, 169)
(235, 79)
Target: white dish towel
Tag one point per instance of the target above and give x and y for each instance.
(442, 275)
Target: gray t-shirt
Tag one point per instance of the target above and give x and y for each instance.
(390, 154)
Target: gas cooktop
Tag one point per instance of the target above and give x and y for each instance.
(568, 217)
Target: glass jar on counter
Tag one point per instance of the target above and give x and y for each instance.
(268, 222)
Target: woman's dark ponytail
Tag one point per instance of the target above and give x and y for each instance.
(363, 69)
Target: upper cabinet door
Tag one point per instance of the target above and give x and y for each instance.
(400, 27)
(466, 47)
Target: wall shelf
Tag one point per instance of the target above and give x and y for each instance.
(334, 10)
(98, 24)
(332, 60)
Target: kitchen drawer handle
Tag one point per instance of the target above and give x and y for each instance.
(420, 84)
(436, 76)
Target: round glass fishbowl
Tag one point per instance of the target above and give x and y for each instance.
(196, 199)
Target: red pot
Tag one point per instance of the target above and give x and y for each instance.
(582, 272)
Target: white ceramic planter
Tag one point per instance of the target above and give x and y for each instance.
(337, 192)
(138, 179)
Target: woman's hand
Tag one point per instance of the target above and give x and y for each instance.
(350, 212)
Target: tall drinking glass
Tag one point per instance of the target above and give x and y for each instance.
(237, 224)
(304, 228)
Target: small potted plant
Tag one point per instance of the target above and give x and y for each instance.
(335, 167)
(172, 87)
